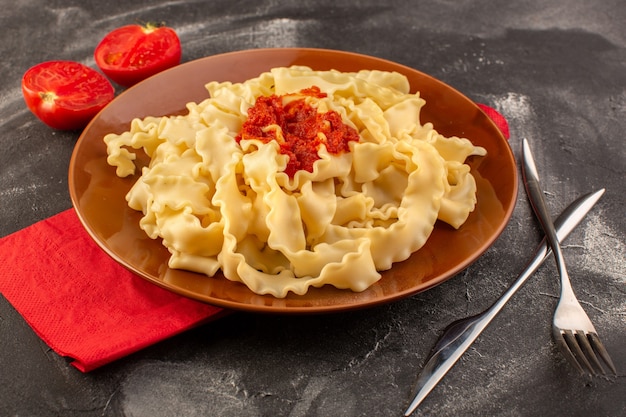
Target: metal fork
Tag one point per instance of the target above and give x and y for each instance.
(571, 327)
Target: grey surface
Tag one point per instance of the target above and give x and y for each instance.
(556, 70)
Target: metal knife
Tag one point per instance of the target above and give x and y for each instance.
(459, 335)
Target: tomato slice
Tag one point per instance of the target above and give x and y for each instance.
(132, 53)
(65, 95)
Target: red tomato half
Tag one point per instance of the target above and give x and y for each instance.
(132, 53)
(65, 95)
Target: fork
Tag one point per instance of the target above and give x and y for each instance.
(571, 328)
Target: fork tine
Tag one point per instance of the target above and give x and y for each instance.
(561, 341)
(575, 354)
(583, 342)
(599, 347)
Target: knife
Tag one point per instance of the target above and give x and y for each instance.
(460, 335)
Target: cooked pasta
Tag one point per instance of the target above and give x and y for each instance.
(220, 198)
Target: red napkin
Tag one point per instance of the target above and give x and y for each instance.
(86, 306)
(81, 302)
(497, 118)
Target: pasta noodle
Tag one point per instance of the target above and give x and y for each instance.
(219, 199)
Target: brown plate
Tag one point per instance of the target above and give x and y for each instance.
(98, 194)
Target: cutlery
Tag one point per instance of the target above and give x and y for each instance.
(571, 327)
(460, 335)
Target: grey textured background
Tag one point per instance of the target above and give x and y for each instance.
(556, 70)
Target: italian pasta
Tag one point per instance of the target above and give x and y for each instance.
(222, 200)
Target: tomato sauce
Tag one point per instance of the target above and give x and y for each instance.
(300, 125)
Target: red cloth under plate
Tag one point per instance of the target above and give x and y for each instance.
(81, 302)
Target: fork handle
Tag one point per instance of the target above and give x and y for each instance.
(538, 203)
